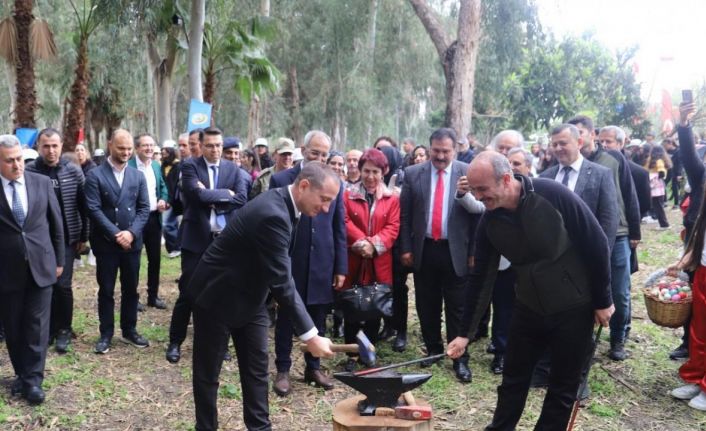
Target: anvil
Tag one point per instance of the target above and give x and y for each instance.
(383, 389)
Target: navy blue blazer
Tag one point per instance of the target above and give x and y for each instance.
(195, 228)
(596, 188)
(112, 208)
(320, 246)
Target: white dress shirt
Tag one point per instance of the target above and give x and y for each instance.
(21, 191)
(118, 173)
(445, 203)
(212, 182)
(146, 169)
(573, 175)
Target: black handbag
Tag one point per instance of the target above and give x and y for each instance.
(365, 302)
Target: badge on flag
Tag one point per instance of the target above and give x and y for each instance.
(199, 115)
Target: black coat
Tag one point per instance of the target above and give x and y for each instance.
(249, 260)
(73, 198)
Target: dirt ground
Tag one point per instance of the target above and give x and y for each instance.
(131, 389)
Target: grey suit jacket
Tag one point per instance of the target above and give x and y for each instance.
(39, 243)
(415, 202)
(596, 188)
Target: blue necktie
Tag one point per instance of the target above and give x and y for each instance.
(17, 209)
(567, 170)
(220, 218)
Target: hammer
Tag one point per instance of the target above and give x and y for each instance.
(363, 347)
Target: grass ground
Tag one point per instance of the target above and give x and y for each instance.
(131, 389)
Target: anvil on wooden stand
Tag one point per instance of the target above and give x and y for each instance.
(382, 389)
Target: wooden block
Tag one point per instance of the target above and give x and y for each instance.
(347, 418)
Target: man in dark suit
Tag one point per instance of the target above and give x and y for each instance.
(436, 236)
(32, 256)
(67, 180)
(158, 197)
(118, 205)
(249, 260)
(319, 264)
(211, 190)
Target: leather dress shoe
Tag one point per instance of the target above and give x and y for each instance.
(173, 353)
(318, 378)
(140, 307)
(157, 303)
(34, 395)
(63, 339)
(617, 351)
(681, 352)
(136, 340)
(497, 364)
(400, 343)
(463, 373)
(16, 387)
(281, 385)
(429, 362)
(103, 345)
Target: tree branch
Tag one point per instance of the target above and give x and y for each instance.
(439, 37)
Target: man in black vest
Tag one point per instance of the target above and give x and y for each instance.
(563, 284)
(67, 179)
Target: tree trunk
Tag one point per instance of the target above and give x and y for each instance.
(209, 85)
(162, 70)
(458, 59)
(265, 7)
(196, 27)
(24, 68)
(78, 95)
(253, 120)
(296, 127)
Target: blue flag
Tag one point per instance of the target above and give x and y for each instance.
(199, 115)
(27, 137)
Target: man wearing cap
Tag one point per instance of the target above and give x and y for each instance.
(261, 148)
(158, 198)
(231, 149)
(283, 160)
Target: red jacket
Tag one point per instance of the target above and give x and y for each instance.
(381, 228)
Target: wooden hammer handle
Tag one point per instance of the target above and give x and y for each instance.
(336, 348)
(409, 398)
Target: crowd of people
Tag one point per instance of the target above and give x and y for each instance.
(468, 221)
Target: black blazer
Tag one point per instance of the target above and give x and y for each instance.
(249, 260)
(596, 188)
(195, 229)
(39, 243)
(112, 208)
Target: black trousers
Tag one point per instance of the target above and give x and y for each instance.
(284, 331)
(251, 349)
(62, 299)
(658, 209)
(567, 336)
(369, 327)
(107, 266)
(152, 236)
(435, 285)
(182, 308)
(503, 301)
(25, 317)
(400, 294)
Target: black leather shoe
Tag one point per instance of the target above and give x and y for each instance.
(617, 351)
(681, 352)
(318, 378)
(491, 348)
(63, 340)
(281, 385)
(429, 362)
(173, 353)
(463, 373)
(16, 387)
(497, 364)
(140, 307)
(386, 333)
(157, 303)
(136, 340)
(103, 345)
(34, 395)
(400, 343)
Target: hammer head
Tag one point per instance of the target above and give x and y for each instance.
(366, 349)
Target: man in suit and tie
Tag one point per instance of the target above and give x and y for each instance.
(119, 207)
(32, 256)
(319, 265)
(158, 197)
(436, 236)
(230, 285)
(211, 189)
(67, 179)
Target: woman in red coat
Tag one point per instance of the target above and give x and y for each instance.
(372, 225)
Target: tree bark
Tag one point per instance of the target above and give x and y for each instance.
(265, 7)
(24, 67)
(458, 59)
(78, 95)
(253, 120)
(295, 107)
(162, 70)
(196, 28)
(209, 83)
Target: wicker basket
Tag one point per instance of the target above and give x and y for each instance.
(670, 314)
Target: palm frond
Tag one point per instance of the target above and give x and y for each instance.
(8, 40)
(41, 40)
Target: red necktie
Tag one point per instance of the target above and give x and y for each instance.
(438, 206)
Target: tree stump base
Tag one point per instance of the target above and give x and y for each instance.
(347, 418)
